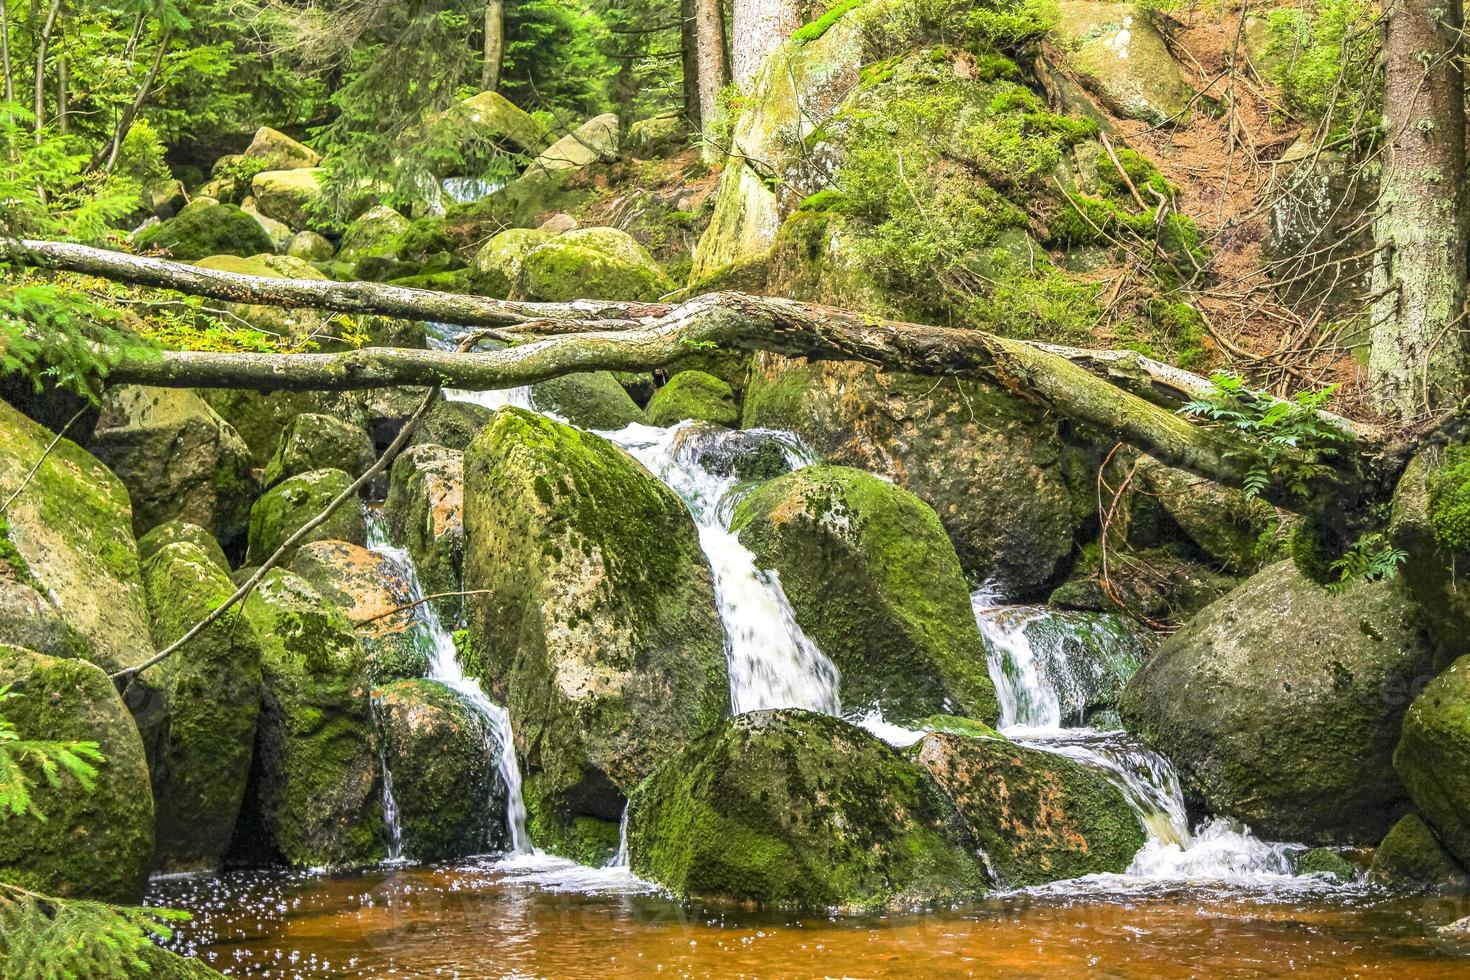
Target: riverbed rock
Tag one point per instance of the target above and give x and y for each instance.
(205, 228)
(1260, 700)
(1121, 57)
(497, 265)
(94, 843)
(282, 510)
(1432, 567)
(1433, 757)
(171, 532)
(310, 247)
(425, 514)
(314, 795)
(874, 581)
(71, 528)
(441, 753)
(288, 195)
(594, 140)
(797, 810)
(1039, 817)
(1411, 859)
(213, 686)
(1239, 532)
(375, 234)
(278, 232)
(262, 417)
(316, 442)
(599, 631)
(592, 400)
(592, 263)
(28, 619)
(750, 455)
(491, 117)
(373, 593)
(991, 467)
(451, 425)
(277, 151)
(178, 459)
(694, 395)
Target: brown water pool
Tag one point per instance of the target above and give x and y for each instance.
(535, 920)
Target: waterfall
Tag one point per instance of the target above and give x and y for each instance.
(444, 667)
(1027, 676)
(391, 822)
(772, 662)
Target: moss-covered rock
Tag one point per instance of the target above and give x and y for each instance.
(1038, 817)
(72, 529)
(308, 246)
(1122, 58)
(274, 150)
(287, 196)
(441, 753)
(1433, 757)
(599, 631)
(497, 265)
(213, 686)
(279, 234)
(94, 843)
(1281, 703)
(178, 459)
(694, 395)
(876, 584)
(261, 418)
(1432, 564)
(29, 620)
(592, 263)
(594, 140)
(1240, 533)
(203, 229)
(425, 514)
(593, 400)
(451, 424)
(1326, 862)
(492, 118)
(285, 508)
(754, 455)
(1411, 859)
(793, 809)
(314, 794)
(373, 594)
(374, 235)
(1167, 584)
(990, 466)
(172, 532)
(320, 442)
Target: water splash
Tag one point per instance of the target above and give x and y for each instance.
(443, 336)
(772, 662)
(444, 667)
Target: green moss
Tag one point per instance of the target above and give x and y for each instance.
(693, 395)
(1325, 861)
(955, 725)
(285, 508)
(577, 837)
(1449, 498)
(199, 232)
(811, 32)
(594, 400)
(1411, 859)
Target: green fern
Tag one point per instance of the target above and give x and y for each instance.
(1371, 559)
(51, 759)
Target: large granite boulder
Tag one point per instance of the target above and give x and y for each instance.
(425, 514)
(288, 506)
(592, 263)
(320, 442)
(1122, 58)
(204, 228)
(1433, 757)
(695, 395)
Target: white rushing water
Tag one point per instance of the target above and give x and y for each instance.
(1218, 852)
(773, 663)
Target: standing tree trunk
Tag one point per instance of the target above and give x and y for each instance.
(43, 41)
(713, 56)
(758, 27)
(494, 45)
(1418, 358)
(5, 58)
(689, 61)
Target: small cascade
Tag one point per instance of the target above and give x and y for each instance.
(621, 858)
(442, 337)
(392, 825)
(773, 663)
(444, 667)
(1035, 684)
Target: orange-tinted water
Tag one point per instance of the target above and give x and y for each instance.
(483, 922)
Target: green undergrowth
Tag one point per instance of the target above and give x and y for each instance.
(1449, 499)
(811, 32)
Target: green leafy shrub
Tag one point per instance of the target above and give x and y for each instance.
(1449, 499)
(1323, 56)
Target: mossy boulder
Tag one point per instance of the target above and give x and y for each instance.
(1433, 757)
(425, 514)
(592, 263)
(491, 117)
(277, 151)
(71, 527)
(599, 631)
(694, 395)
(172, 532)
(497, 266)
(1039, 817)
(297, 324)
(285, 508)
(261, 418)
(441, 753)
(1241, 533)
(206, 228)
(178, 459)
(213, 686)
(29, 620)
(1411, 859)
(373, 593)
(314, 795)
(277, 231)
(876, 584)
(1280, 705)
(94, 843)
(989, 465)
(594, 140)
(1122, 58)
(308, 246)
(752, 455)
(1324, 862)
(1432, 566)
(374, 235)
(451, 424)
(287, 195)
(593, 400)
(318, 442)
(797, 810)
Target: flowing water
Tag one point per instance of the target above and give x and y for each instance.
(1205, 901)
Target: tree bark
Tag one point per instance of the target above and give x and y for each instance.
(43, 41)
(757, 28)
(713, 58)
(5, 62)
(1418, 360)
(689, 62)
(494, 46)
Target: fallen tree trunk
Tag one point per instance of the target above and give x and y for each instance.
(1120, 394)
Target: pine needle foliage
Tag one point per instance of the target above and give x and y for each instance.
(19, 757)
